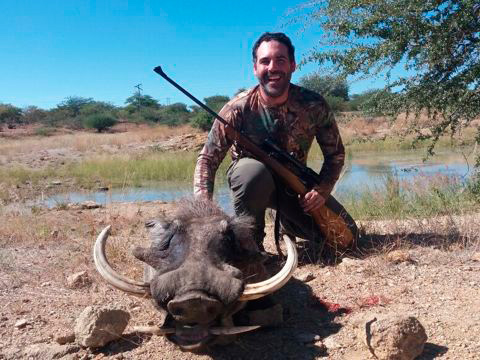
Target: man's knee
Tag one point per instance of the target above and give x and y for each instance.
(250, 180)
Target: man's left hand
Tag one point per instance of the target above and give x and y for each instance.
(312, 201)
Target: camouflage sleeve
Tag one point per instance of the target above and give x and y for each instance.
(212, 155)
(328, 137)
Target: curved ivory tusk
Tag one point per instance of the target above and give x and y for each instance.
(214, 330)
(232, 330)
(257, 290)
(155, 330)
(111, 276)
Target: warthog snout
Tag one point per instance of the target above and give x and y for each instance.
(195, 308)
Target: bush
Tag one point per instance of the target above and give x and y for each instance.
(202, 120)
(99, 121)
(336, 103)
(44, 131)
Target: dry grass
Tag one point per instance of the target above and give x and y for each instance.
(85, 141)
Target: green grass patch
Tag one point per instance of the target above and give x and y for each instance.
(421, 197)
(137, 170)
(116, 171)
(19, 175)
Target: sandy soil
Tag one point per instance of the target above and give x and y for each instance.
(429, 269)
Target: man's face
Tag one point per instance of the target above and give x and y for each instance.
(273, 68)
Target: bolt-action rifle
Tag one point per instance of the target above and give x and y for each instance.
(336, 225)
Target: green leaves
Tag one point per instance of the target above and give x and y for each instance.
(437, 42)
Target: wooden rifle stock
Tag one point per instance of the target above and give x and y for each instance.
(334, 227)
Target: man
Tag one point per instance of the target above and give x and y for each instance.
(292, 117)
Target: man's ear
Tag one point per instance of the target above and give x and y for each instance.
(293, 64)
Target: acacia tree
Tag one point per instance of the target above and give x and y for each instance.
(436, 41)
(326, 85)
(203, 120)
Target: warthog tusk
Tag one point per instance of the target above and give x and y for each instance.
(232, 330)
(257, 290)
(251, 291)
(155, 330)
(111, 276)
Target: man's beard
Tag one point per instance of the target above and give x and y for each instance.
(275, 89)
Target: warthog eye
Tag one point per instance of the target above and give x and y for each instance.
(165, 242)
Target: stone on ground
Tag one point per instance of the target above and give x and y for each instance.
(78, 280)
(97, 326)
(392, 337)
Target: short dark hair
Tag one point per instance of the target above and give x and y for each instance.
(280, 37)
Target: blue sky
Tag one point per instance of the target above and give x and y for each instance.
(53, 49)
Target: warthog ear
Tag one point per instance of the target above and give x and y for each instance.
(161, 232)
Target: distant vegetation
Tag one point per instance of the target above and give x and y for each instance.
(78, 112)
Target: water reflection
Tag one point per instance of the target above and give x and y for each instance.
(361, 172)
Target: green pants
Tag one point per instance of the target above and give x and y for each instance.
(254, 189)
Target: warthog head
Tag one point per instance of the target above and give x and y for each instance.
(198, 265)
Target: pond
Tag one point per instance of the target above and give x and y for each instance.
(362, 171)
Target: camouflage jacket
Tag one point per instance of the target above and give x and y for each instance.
(292, 126)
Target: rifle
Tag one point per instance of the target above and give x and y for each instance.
(336, 225)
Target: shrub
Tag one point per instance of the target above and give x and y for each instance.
(336, 103)
(202, 120)
(44, 131)
(99, 121)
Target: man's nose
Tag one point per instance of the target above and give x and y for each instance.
(273, 65)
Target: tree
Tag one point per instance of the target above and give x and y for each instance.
(10, 114)
(367, 101)
(100, 122)
(138, 101)
(174, 114)
(436, 41)
(326, 85)
(204, 120)
(73, 104)
(32, 115)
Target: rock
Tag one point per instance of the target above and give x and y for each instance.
(272, 316)
(65, 338)
(90, 205)
(97, 326)
(330, 343)
(392, 337)
(476, 256)
(351, 264)
(56, 182)
(306, 277)
(20, 324)
(399, 256)
(78, 280)
(103, 188)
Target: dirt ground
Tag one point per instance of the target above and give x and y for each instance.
(427, 268)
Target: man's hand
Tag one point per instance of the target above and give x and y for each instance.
(312, 201)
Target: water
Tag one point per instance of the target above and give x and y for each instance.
(366, 170)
